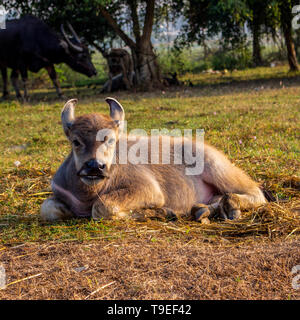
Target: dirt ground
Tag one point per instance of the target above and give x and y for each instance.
(140, 268)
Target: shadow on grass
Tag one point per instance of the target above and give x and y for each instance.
(16, 229)
(201, 87)
(250, 84)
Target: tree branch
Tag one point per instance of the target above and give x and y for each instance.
(111, 21)
(148, 23)
(135, 19)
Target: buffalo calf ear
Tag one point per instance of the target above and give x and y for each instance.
(68, 115)
(117, 112)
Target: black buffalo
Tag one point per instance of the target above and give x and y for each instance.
(29, 44)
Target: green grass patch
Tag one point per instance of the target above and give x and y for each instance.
(257, 127)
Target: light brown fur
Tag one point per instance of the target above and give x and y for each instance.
(221, 190)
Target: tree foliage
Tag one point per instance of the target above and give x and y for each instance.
(82, 14)
(206, 19)
(132, 23)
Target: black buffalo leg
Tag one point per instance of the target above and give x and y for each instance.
(4, 77)
(53, 76)
(14, 80)
(24, 75)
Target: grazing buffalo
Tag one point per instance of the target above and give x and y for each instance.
(96, 180)
(29, 44)
(121, 74)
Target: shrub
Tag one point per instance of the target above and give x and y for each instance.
(232, 59)
(181, 61)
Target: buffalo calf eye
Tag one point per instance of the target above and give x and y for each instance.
(76, 143)
(111, 141)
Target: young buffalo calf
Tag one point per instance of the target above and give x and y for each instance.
(95, 181)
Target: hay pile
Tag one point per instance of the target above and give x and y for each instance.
(272, 219)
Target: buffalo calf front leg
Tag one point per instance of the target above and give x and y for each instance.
(53, 209)
(118, 204)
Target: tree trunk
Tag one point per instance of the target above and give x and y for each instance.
(144, 59)
(292, 58)
(286, 18)
(256, 54)
(146, 67)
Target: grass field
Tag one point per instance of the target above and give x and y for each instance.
(252, 115)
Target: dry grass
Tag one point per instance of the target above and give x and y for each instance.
(138, 268)
(273, 220)
(247, 259)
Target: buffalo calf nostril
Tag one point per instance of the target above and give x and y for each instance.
(102, 166)
(92, 164)
(95, 165)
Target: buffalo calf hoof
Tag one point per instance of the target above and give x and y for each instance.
(229, 207)
(166, 213)
(170, 214)
(201, 212)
